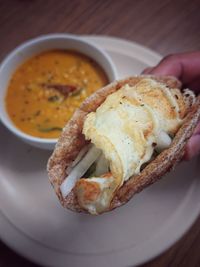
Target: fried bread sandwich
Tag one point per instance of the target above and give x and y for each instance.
(123, 138)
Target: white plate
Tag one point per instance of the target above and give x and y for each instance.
(34, 224)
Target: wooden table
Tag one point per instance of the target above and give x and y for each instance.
(164, 26)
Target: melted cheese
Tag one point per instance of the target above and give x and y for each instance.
(126, 128)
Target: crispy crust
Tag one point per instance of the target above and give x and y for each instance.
(72, 141)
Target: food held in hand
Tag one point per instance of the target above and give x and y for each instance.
(123, 138)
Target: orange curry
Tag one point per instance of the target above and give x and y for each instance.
(45, 91)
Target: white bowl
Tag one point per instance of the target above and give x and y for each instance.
(36, 46)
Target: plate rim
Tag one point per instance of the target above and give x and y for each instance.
(5, 222)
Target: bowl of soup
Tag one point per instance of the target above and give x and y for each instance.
(43, 82)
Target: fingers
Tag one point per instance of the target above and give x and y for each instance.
(147, 70)
(197, 129)
(193, 145)
(185, 66)
(170, 65)
(194, 85)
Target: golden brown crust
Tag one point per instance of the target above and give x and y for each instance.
(72, 141)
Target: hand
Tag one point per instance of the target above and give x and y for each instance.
(186, 67)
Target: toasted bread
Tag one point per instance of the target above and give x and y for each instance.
(72, 141)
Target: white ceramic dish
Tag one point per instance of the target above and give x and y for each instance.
(36, 46)
(34, 224)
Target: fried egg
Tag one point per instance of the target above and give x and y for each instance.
(127, 127)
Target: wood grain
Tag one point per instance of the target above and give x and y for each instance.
(164, 26)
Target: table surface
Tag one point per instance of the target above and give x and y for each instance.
(164, 26)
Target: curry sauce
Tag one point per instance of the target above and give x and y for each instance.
(45, 90)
